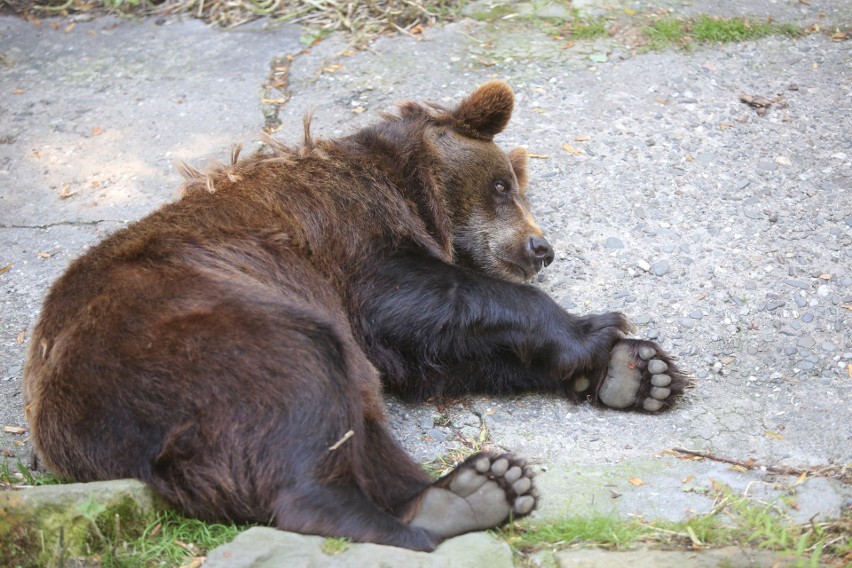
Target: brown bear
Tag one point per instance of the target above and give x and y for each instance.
(230, 348)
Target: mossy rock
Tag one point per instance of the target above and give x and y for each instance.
(44, 526)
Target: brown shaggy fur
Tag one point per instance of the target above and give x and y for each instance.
(221, 348)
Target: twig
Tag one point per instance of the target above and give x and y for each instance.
(839, 472)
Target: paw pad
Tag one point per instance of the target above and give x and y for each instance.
(632, 371)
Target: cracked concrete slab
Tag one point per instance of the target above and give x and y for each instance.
(735, 229)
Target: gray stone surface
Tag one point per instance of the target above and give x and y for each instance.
(748, 214)
(262, 547)
(723, 558)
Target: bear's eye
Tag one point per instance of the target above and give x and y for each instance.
(501, 186)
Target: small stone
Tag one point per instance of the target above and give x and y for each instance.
(807, 317)
(774, 305)
(783, 161)
(696, 314)
(767, 165)
(797, 284)
(790, 351)
(805, 365)
(660, 268)
(800, 301)
(823, 291)
(828, 346)
(614, 243)
(643, 265)
(427, 423)
(806, 342)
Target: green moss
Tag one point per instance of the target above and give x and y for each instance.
(334, 546)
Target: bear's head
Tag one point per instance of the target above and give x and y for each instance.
(484, 189)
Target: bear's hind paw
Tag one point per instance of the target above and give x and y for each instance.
(482, 493)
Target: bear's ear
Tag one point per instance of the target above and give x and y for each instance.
(519, 160)
(487, 111)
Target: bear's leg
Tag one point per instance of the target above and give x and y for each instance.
(639, 375)
(345, 511)
(484, 492)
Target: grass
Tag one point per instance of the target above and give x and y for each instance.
(673, 32)
(734, 521)
(171, 539)
(19, 475)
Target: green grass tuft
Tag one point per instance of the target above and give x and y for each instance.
(664, 33)
(588, 30)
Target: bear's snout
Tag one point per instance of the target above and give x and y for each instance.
(540, 252)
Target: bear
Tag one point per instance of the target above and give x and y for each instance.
(232, 349)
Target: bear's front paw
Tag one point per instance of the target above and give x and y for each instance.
(640, 375)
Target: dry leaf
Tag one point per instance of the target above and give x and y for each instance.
(801, 479)
(539, 110)
(70, 27)
(334, 67)
(14, 429)
(18, 92)
(418, 29)
(65, 194)
(825, 276)
(794, 505)
(569, 45)
(727, 360)
(538, 156)
(739, 468)
(5, 268)
(571, 150)
(358, 110)
(839, 36)
(194, 562)
(21, 336)
(279, 101)
(43, 255)
(849, 370)
(97, 131)
(687, 479)
(662, 101)
(636, 481)
(773, 435)
(581, 139)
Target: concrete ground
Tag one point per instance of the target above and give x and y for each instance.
(725, 235)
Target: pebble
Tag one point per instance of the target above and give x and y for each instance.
(696, 314)
(775, 304)
(823, 291)
(790, 351)
(800, 301)
(643, 265)
(807, 317)
(767, 165)
(828, 346)
(797, 284)
(806, 342)
(614, 243)
(660, 268)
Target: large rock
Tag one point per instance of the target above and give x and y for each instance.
(263, 547)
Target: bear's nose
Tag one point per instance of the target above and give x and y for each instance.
(540, 251)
